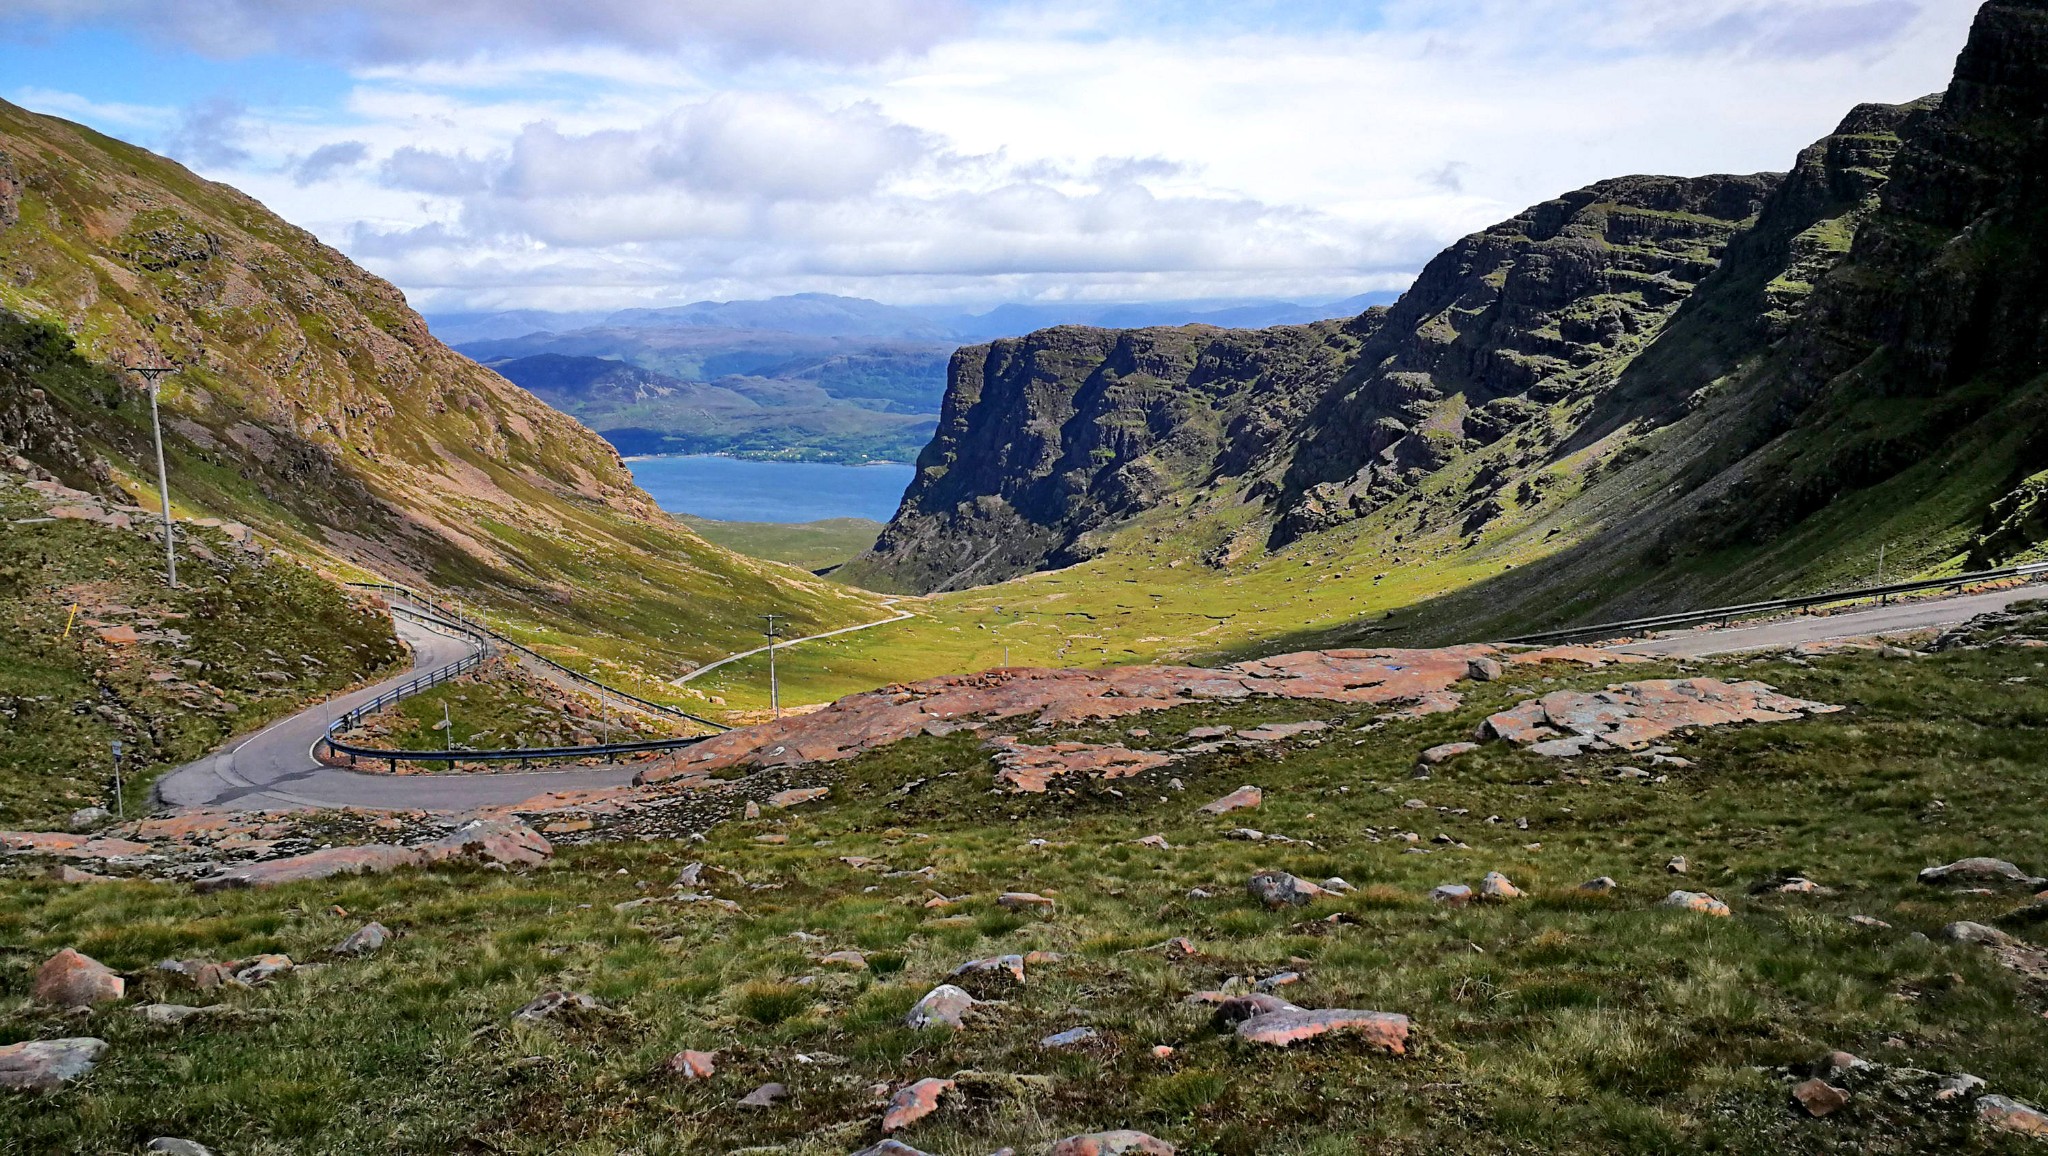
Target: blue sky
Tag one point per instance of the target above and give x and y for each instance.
(527, 153)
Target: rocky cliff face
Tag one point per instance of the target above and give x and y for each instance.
(1659, 389)
(312, 403)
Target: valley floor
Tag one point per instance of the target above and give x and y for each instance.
(1563, 1020)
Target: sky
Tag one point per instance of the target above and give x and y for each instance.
(498, 154)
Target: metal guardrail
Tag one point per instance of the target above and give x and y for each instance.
(455, 623)
(1723, 614)
(456, 618)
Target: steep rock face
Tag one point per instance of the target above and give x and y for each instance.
(312, 403)
(1536, 311)
(1046, 438)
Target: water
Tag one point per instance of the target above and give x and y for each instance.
(733, 490)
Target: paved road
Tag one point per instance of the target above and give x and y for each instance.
(1898, 618)
(274, 768)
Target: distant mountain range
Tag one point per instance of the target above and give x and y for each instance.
(809, 377)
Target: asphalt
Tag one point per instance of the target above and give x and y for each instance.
(274, 769)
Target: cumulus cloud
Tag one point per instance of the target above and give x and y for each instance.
(405, 30)
(327, 160)
(209, 134)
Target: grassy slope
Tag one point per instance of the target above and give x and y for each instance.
(1559, 1023)
(818, 545)
(316, 407)
(66, 698)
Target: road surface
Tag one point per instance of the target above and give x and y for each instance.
(1868, 622)
(274, 768)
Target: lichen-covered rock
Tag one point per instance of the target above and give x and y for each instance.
(941, 1007)
(1978, 870)
(47, 1065)
(1633, 715)
(1497, 886)
(505, 841)
(1277, 889)
(797, 796)
(369, 859)
(552, 1004)
(914, 1102)
(1242, 799)
(369, 939)
(68, 979)
(1451, 894)
(1122, 1142)
(1696, 901)
(1290, 1026)
(1819, 1098)
(2004, 1114)
(691, 1065)
(1031, 769)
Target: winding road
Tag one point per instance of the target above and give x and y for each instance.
(274, 769)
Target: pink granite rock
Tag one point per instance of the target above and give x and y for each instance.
(1122, 1142)
(1284, 1028)
(913, 1103)
(505, 841)
(68, 979)
(369, 859)
(798, 796)
(694, 1065)
(1696, 901)
(47, 1065)
(941, 1007)
(1243, 798)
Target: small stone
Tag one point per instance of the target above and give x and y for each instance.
(1599, 886)
(851, 960)
(1800, 885)
(2008, 1115)
(369, 939)
(1483, 669)
(772, 838)
(1157, 842)
(1022, 900)
(1199, 893)
(1451, 894)
(1336, 883)
(1819, 1098)
(1245, 834)
(1631, 773)
(70, 874)
(752, 810)
(1243, 798)
(1870, 922)
(1276, 982)
(1010, 965)
(1277, 889)
(694, 1065)
(46, 1065)
(765, 1096)
(1839, 1062)
(1696, 901)
(1678, 865)
(1118, 1143)
(1072, 1037)
(913, 1103)
(892, 1148)
(172, 1146)
(1496, 886)
(941, 1007)
(262, 969)
(1162, 1052)
(70, 980)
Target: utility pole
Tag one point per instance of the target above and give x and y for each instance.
(152, 373)
(447, 726)
(774, 689)
(1883, 599)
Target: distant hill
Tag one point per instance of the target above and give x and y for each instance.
(808, 377)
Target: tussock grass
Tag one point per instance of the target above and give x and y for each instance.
(1563, 1022)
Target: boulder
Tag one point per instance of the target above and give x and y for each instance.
(1290, 1026)
(369, 939)
(1599, 886)
(1118, 1143)
(1022, 900)
(2007, 1115)
(765, 1096)
(1978, 870)
(1445, 752)
(850, 960)
(1963, 931)
(1242, 799)
(260, 969)
(1819, 1098)
(1451, 895)
(1232, 1010)
(1483, 669)
(200, 973)
(1071, 1038)
(549, 1004)
(47, 1065)
(70, 980)
(995, 965)
(86, 818)
(941, 1007)
(913, 1103)
(1497, 886)
(1277, 889)
(693, 1065)
(506, 841)
(368, 859)
(1696, 901)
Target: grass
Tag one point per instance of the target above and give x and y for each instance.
(264, 638)
(1564, 1022)
(499, 706)
(815, 546)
